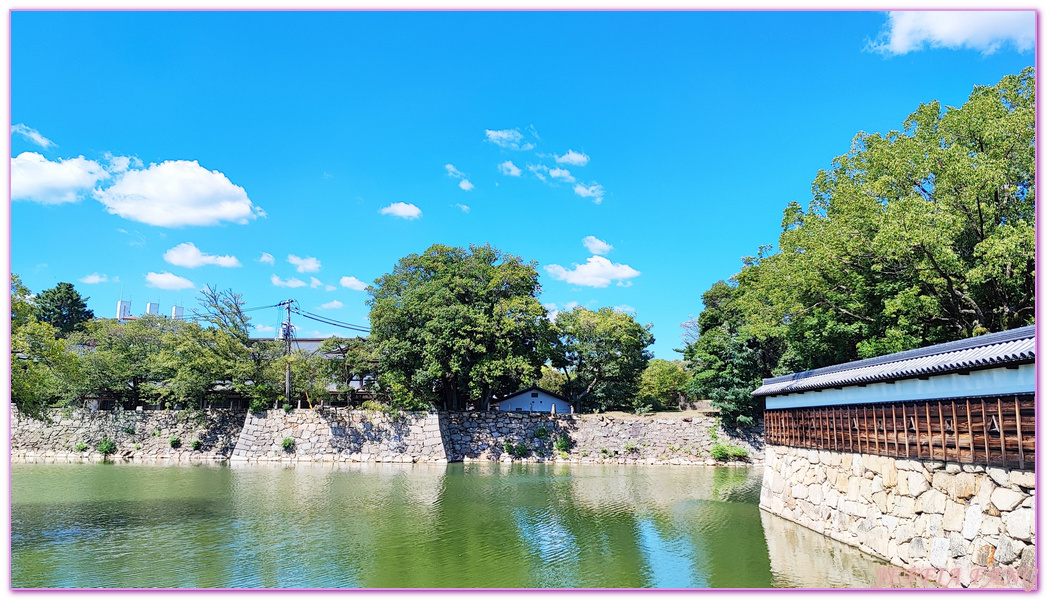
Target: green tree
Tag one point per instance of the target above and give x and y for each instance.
(62, 308)
(452, 325)
(663, 384)
(349, 359)
(602, 355)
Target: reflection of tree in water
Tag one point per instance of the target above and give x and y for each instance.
(804, 558)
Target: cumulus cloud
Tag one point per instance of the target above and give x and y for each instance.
(267, 259)
(264, 328)
(32, 135)
(37, 179)
(402, 210)
(464, 208)
(563, 174)
(168, 281)
(986, 31)
(625, 308)
(119, 164)
(176, 193)
(577, 159)
(596, 245)
(539, 171)
(508, 168)
(189, 256)
(453, 172)
(594, 191)
(290, 283)
(508, 138)
(352, 283)
(596, 272)
(315, 283)
(308, 264)
(331, 304)
(94, 278)
(465, 184)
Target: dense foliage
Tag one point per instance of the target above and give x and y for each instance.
(920, 236)
(63, 308)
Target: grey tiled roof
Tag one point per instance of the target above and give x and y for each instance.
(990, 350)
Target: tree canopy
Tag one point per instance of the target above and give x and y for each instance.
(452, 325)
(63, 308)
(918, 236)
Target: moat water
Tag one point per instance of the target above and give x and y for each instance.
(411, 526)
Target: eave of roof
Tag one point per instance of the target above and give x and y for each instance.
(533, 388)
(1012, 347)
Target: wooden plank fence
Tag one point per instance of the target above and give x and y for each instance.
(996, 431)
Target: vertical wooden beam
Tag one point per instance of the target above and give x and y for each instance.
(955, 429)
(883, 419)
(1018, 424)
(1003, 436)
(834, 428)
(985, 431)
(941, 427)
(905, 428)
(894, 431)
(930, 433)
(970, 428)
(865, 427)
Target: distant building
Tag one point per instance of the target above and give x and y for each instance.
(152, 308)
(176, 312)
(123, 310)
(533, 399)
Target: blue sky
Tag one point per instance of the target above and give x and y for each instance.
(635, 156)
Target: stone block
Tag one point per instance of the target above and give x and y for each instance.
(865, 489)
(928, 525)
(879, 500)
(1025, 479)
(957, 545)
(903, 533)
(917, 484)
(904, 507)
(990, 525)
(1007, 550)
(877, 484)
(814, 494)
(972, 521)
(931, 501)
(964, 486)
(1020, 524)
(918, 547)
(983, 554)
(799, 491)
(952, 468)
(853, 488)
(952, 519)
(939, 552)
(877, 539)
(890, 522)
(890, 473)
(872, 462)
(1000, 476)
(1006, 499)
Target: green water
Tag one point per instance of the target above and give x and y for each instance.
(386, 526)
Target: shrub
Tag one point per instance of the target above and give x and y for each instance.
(106, 446)
(724, 452)
(287, 407)
(563, 442)
(288, 444)
(541, 433)
(258, 405)
(81, 447)
(630, 447)
(522, 450)
(129, 430)
(197, 444)
(508, 448)
(175, 441)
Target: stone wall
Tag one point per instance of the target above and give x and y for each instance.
(956, 525)
(138, 435)
(327, 434)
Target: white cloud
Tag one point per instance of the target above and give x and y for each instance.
(986, 31)
(508, 138)
(119, 164)
(37, 179)
(625, 308)
(464, 207)
(331, 304)
(594, 191)
(571, 305)
(264, 328)
(352, 283)
(176, 193)
(453, 172)
(188, 255)
(538, 170)
(308, 264)
(563, 174)
(267, 259)
(577, 159)
(329, 288)
(465, 184)
(508, 168)
(596, 245)
(402, 210)
(168, 281)
(32, 135)
(596, 272)
(94, 278)
(290, 283)
(315, 283)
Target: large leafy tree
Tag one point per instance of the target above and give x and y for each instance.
(63, 308)
(663, 385)
(452, 325)
(602, 355)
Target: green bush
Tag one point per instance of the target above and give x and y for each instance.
(175, 441)
(522, 450)
(723, 452)
(630, 446)
(197, 444)
(288, 444)
(563, 442)
(258, 405)
(287, 407)
(106, 446)
(541, 433)
(129, 430)
(81, 447)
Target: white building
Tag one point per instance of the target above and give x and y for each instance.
(533, 399)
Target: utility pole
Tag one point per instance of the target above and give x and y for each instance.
(287, 350)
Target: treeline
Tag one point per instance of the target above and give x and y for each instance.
(920, 236)
(451, 328)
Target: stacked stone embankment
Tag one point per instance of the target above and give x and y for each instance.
(137, 435)
(342, 435)
(956, 525)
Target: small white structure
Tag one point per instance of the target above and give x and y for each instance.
(123, 309)
(533, 399)
(176, 312)
(152, 308)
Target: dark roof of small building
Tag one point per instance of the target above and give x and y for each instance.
(533, 388)
(1010, 347)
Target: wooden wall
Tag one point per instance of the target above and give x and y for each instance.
(992, 431)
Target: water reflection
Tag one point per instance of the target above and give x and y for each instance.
(392, 525)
